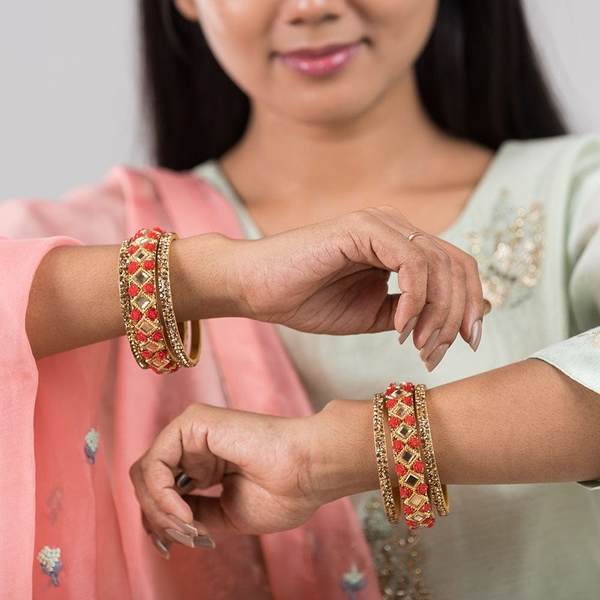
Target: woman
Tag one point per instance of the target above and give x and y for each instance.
(527, 211)
(363, 97)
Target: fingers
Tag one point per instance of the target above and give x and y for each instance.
(432, 353)
(166, 515)
(426, 275)
(441, 292)
(476, 306)
(440, 289)
(379, 244)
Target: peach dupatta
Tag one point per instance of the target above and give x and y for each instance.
(73, 423)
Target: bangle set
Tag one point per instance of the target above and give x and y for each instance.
(401, 428)
(157, 340)
(419, 489)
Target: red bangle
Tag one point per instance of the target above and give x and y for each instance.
(137, 283)
(409, 464)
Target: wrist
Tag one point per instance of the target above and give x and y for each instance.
(204, 281)
(342, 456)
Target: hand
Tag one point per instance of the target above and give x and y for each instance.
(331, 277)
(275, 472)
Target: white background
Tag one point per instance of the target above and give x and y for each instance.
(68, 85)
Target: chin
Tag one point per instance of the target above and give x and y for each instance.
(320, 107)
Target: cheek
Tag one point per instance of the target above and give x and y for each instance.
(401, 29)
(237, 32)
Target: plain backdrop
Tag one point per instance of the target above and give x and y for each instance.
(69, 85)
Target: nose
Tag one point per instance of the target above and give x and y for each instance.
(298, 12)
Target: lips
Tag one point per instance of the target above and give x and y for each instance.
(320, 52)
(320, 61)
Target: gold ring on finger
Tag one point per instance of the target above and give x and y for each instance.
(411, 236)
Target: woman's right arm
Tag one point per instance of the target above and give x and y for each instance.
(329, 277)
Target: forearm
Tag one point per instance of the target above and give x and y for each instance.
(523, 423)
(74, 298)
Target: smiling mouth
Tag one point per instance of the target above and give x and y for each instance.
(320, 61)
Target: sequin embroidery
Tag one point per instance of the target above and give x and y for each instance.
(396, 555)
(92, 440)
(49, 559)
(509, 251)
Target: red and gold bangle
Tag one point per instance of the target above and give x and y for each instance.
(391, 501)
(137, 284)
(438, 490)
(409, 465)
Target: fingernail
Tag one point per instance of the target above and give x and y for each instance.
(184, 482)
(407, 329)
(197, 541)
(161, 546)
(186, 528)
(182, 538)
(487, 306)
(436, 356)
(429, 344)
(204, 541)
(475, 336)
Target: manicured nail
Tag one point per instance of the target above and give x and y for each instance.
(160, 546)
(475, 336)
(407, 329)
(487, 306)
(198, 541)
(204, 541)
(436, 356)
(186, 528)
(182, 538)
(429, 344)
(184, 482)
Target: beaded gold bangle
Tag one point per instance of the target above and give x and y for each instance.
(406, 444)
(137, 284)
(438, 491)
(167, 314)
(391, 503)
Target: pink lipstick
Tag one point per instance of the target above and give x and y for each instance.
(320, 61)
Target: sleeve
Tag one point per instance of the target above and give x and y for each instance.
(29, 229)
(579, 356)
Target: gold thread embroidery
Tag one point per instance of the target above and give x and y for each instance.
(509, 251)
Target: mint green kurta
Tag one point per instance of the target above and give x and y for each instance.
(533, 224)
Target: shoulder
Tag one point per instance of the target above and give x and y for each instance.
(550, 160)
(97, 212)
(552, 173)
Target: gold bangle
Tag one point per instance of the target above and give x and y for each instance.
(406, 444)
(172, 328)
(439, 491)
(391, 503)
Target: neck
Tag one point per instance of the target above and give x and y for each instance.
(384, 146)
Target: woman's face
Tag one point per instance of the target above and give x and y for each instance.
(380, 41)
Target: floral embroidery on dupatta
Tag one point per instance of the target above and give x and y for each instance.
(92, 440)
(49, 559)
(353, 581)
(509, 251)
